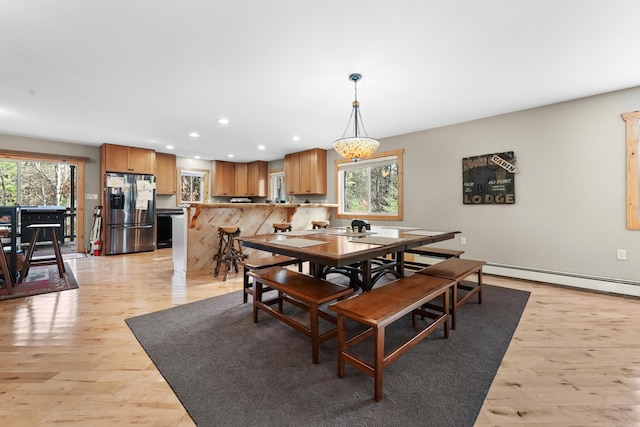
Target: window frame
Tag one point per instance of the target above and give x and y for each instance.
(204, 174)
(343, 215)
(633, 187)
(273, 174)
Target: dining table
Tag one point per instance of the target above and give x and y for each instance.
(363, 256)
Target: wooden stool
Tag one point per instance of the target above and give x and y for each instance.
(229, 250)
(284, 227)
(319, 224)
(56, 259)
(6, 273)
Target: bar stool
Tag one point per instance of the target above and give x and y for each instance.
(229, 250)
(56, 259)
(319, 224)
(283, 227)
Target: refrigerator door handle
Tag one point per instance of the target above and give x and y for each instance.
(133, 226)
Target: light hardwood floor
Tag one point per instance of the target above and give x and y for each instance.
(69, 359)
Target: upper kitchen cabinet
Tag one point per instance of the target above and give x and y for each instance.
(305, 172)
(118, 158)
(240, 179)
(166, 178)
(257, 178)
(224, 178)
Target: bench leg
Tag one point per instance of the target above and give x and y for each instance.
(245, 284)
(342, 338)
(480, 286)
(313, 322)
(446, 304)
(378, 363)
(257, 296)
(453, 304)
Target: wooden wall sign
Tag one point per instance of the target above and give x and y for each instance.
(489, 179)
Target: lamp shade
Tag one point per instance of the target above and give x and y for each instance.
(356, 148)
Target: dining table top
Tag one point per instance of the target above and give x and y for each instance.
(339, 246)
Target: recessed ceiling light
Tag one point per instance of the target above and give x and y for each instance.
(296, 138)
(194, 135)
(261, 147)
(223, 121)
(169, 147)
(230, 155)
(196, 157)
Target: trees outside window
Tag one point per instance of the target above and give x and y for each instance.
(193, 186)
(277, 192)
(371, 188)
(33, 183)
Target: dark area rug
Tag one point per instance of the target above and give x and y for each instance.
(228, 371)
(41, 280)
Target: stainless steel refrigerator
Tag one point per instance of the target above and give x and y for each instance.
(130, 213)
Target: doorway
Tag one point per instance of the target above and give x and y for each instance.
(32, 180)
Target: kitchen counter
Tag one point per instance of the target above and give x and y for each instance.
(203, 219)
(262, 205)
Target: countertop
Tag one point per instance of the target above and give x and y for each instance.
(262, 205)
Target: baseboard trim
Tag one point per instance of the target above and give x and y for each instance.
(573, 280)
(594, 283)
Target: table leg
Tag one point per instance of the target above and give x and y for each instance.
(400, 263)
(366, 275)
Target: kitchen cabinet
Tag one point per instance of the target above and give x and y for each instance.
(119, 158)
(305, 172)
(166, 179)
(240, 179)
(257, 178)
(224, 178)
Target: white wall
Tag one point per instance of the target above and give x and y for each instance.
(569, 214)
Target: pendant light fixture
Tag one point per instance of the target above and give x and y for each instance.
(356, 147)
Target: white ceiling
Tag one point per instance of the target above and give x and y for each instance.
(146, 73)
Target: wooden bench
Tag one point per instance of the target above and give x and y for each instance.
(262, 263)
(430, 251)
(457, 269)
(302, 291)
(382, 306)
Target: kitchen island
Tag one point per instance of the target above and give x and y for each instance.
(199, 230)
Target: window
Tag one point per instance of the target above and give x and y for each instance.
(34, 183)
(371, 188)
(276, 185)
(40, 183)
(193, 186)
